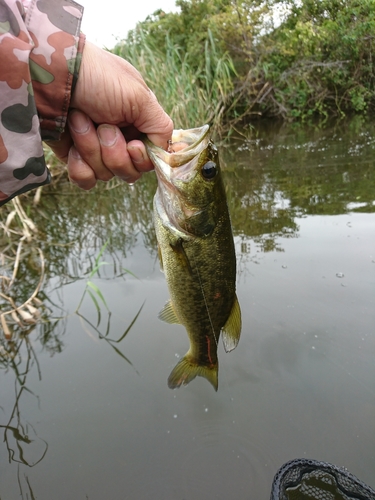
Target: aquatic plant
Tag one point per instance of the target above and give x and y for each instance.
(19, 241)
(97, 297)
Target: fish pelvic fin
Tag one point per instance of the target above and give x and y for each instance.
(231, 331)
(187, 369)
(168, 313)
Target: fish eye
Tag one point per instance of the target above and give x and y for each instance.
(209, 170)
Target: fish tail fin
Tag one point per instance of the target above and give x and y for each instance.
(187, 369)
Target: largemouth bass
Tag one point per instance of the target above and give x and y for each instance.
(196, 251)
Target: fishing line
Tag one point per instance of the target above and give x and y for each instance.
(205, 301)
(209, 317)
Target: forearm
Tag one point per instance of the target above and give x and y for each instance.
(38, 57)
(54, 26)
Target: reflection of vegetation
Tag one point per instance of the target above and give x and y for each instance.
(22, 442)
(276, 175)
(96, 295)
(283, 172)
(91, 288)
(106, 337)
(19, 356)
(54, 243)
(17, 438)
(17, 247)
(71, 228)
(255, 211)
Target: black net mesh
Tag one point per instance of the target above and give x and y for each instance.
(304, 479)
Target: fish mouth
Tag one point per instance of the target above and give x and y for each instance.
(167, 163)
(172, 168)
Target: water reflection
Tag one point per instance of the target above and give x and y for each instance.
(281, 172)
(276, 175)
(276, 181)
(20, 439)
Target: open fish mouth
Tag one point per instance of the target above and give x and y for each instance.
(190, 144)
(176, 166)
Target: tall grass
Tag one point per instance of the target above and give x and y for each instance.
(192, 95)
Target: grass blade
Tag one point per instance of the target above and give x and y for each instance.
(129, 327)
(98, 292)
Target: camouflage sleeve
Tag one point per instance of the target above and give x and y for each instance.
(40, 49)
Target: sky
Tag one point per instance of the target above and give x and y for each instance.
(104, 22)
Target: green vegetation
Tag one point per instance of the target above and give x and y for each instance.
(205, 88)
(228, 61)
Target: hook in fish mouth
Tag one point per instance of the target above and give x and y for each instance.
(170, 149)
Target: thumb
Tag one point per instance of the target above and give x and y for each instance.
(155, 122)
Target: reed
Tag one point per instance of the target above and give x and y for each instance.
(19, 240)
(191, 94)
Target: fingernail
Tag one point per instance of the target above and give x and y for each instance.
(79, 122)
(107, 135)
(73, 151)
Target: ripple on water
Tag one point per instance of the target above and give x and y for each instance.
(225, 464)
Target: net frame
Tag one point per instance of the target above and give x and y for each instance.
(293, 473)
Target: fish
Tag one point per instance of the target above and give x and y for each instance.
(196, 251)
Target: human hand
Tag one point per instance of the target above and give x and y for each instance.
(111, 108)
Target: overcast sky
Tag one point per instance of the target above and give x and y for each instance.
(104, 21)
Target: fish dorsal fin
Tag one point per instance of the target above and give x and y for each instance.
(168, 314)
(232, 329)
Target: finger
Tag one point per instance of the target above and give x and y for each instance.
(155, 122)
(87, 143)
(115, 154)
(138, 154)
(62, 146)
(79, 171)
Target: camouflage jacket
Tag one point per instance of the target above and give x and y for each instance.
(40, 49)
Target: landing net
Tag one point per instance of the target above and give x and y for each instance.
(304, 479)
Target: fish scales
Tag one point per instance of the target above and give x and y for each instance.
(197, 252)
(203, 293)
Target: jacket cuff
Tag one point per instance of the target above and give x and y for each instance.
(54, 27)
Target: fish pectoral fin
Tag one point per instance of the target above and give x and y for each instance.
(181, 254)
(232, 329)
(187, 369)
(168, 314)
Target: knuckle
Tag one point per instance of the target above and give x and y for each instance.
(105, 176)
(82, 177)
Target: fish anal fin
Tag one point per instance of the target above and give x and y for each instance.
(168, 314)
(231, 331)
(187, 369)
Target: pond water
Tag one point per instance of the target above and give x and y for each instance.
(85, 417)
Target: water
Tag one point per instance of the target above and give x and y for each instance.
(91, 423)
